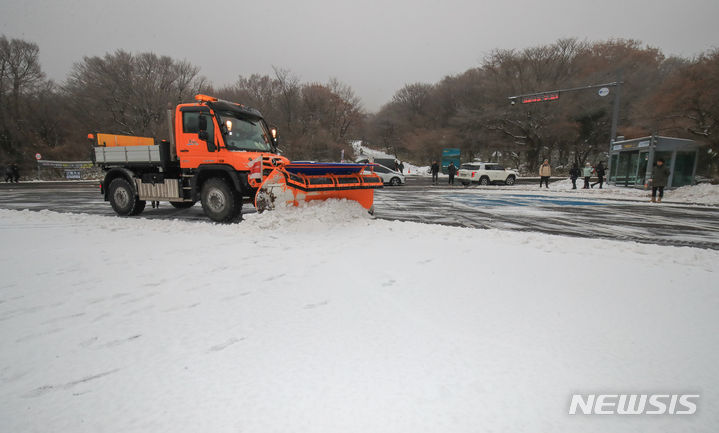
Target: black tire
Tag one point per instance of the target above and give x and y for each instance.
(220, 202)
(139, 207)
(484, 181)
(395, 181)
(123, 199)
(182, 204)
(510, 181)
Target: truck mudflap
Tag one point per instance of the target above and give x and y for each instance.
(295, 183)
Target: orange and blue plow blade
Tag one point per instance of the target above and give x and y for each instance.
(295, 183)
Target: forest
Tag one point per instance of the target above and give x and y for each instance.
(129, 93)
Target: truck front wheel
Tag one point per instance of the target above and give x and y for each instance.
(220, 202)
(123, 199)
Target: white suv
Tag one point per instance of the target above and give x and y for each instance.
(485, 173)
(389, 177)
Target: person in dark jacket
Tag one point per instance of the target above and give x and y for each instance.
(435, 172)
(451, 170)
(574, 175)
(660, 177)
(601, 171)
(12, 173)
(401, 167)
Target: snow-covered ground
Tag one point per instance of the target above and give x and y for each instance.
(701, 194)
(322, 319)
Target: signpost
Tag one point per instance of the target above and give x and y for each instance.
(38, 157)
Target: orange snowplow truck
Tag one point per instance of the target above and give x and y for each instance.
(220, 154)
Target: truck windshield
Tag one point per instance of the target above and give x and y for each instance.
(245, 134)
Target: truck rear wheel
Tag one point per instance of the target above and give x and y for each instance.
(220, 202)
(123, 199)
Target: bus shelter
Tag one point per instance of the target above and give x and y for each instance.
(632, 160)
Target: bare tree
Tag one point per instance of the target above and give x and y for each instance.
(130, 93)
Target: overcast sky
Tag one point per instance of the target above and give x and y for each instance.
(374, 46)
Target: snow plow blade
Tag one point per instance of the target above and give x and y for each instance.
(295, 183)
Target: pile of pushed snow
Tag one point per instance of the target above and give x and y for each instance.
(704, 193)
(699, 194)
(309, 216)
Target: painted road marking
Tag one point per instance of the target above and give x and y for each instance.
(520, 200)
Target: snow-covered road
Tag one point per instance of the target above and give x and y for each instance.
(325, 320)
(613, 213)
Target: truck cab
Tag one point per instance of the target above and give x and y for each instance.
(220, 132)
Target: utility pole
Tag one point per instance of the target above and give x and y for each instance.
(615, 111)
(615, 121)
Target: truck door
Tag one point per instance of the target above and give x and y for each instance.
(192, 150)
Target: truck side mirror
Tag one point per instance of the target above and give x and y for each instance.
(203, 135)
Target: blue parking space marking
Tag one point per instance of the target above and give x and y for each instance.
(519, 200)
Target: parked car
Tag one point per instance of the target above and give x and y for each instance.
(485, 173)
(389, 177)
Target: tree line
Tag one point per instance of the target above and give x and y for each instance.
(662, 95)
(128, 93)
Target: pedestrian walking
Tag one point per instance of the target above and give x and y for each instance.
(435, 172)
(401, 167)
(587, 173)
(660, 177)
(574, 175)
(451, 170)
(601, 171)
(545, 171)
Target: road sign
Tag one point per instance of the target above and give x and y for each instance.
(38, 156)
(604, 91)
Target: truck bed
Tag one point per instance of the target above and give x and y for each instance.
(128, 155)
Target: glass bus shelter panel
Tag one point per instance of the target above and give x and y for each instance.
(684, 169)
(615, 168)
(627, 168)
